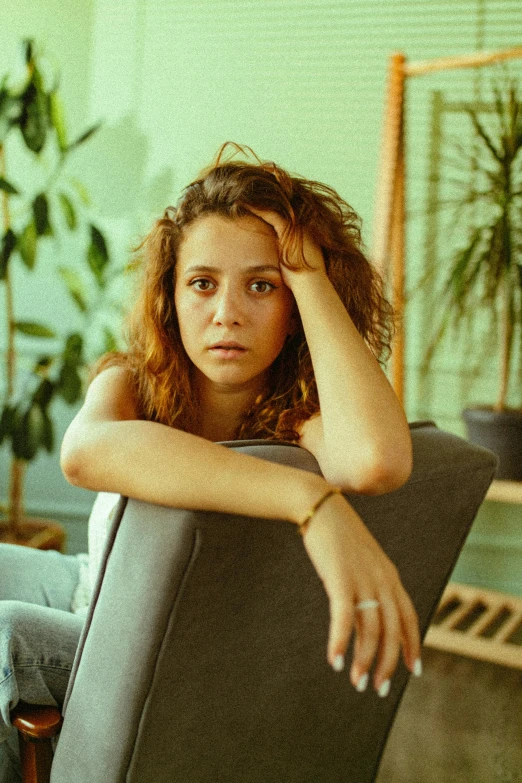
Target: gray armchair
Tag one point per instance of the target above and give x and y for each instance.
(203, 659)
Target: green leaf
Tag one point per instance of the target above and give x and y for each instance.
(98, 240)
(482, 134)
(27, 433)
(47, 439)
(68, 210)
(42, 363)
(6, 421)
(72, 352)
(8, 188)
(86, 135)
(56, 115)
(35, 427)
(69, 384)
(10, 108)
(74, 286)
(34, 118)
(8, 245)
(97, 255)
(44, 393)
(41, 215)
(82, 191)
(28, 45)
(33, 329)
(110, 342)
(456, 286)
(27, 245)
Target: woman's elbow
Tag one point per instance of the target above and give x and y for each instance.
(73, 461)
(389, 475)
(71, 467)
(381, 472)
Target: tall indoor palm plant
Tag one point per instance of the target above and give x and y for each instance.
(485, 273)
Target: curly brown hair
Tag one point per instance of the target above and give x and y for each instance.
(229, 187)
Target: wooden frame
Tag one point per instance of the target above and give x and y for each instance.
(388, 252)
(388, 247)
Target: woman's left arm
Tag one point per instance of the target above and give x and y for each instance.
(361, 438)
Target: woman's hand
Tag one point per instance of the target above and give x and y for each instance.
(349, 561)
(354, 568)
(311, 251)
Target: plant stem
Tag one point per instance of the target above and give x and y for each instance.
(10, 352)
(17, 467)
(505, 336)
(16, 491)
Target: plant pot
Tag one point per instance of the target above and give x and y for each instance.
(500, 432)
(36, 533)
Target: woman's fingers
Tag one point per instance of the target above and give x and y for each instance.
(341, 626)
(380, 632)
(368, 624)
(411, 641)
(311, 251)
(273, 219)
(390, 646)
(400, 628)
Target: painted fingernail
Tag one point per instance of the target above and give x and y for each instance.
(417, 668)
(362, 683)
(338, 664)
(384, 689)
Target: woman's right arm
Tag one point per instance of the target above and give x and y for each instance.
(108, 449)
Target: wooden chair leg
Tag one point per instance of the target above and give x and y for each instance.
(36, 757)
(36, 727)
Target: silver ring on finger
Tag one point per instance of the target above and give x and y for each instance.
(369, 603)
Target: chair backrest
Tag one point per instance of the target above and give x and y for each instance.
(204, 655)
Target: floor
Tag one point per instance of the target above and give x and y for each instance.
(461, 722)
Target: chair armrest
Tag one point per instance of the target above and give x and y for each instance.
(36, 722)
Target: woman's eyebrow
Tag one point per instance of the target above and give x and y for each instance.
(250, 269)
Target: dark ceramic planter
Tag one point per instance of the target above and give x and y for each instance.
(500, 432)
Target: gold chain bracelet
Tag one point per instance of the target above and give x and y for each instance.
(306, 521)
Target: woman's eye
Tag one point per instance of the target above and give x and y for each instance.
(262, 286)
(201, 284)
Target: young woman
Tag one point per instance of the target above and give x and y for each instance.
(260, 317)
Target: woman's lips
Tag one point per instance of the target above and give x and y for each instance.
(228, 353)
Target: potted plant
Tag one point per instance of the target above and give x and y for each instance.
(484, 275)
(40, 364)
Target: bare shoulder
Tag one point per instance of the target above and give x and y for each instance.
(111, 396)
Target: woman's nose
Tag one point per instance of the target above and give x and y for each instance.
(228, 307)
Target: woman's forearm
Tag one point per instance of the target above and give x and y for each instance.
(362, 440)
(159, 464)
(364, 426)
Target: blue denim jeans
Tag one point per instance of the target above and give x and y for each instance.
(38, 637)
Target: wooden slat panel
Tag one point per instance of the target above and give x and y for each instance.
(505, 631)
(455, 616)
(505, 491)
(481, 649)
(469, 642)
(484, 620)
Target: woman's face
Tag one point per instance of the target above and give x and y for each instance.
(234, 311)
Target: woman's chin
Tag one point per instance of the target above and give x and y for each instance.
(233, 378)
